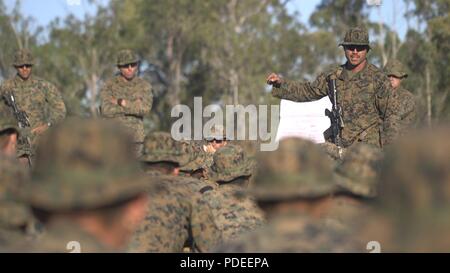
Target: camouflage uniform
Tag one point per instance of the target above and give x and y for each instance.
(138, 94)
(178, 214)
(235, 213)
(414, 194)
(363, 97)
(38, 98)
(405, 101)
(16, 220)
(7, 119)
(82, 165)
(298, 170)
(356, 178)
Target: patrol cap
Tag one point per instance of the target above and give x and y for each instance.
(395, 68)
(356, 36)
(127, 56)
(23, 57)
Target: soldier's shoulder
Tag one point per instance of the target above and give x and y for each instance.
(8, 82)
(143, 84)
(406, 93)
(333, 70)
(112, 81)
(37, 81)
(376, 72)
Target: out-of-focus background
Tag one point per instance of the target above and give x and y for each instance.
(222, 50)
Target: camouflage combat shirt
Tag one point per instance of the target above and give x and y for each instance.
(139, 100)
(364, 98)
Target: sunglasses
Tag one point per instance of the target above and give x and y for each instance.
(358, 48)
(133, 65)
(24, 66)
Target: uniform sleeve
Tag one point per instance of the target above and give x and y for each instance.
(410, 116)
(388, 110)
(141, 104)
(302, 91)
(57, 109)
(108, 108)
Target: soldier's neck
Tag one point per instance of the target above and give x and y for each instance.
(356, 68)
(23, 79)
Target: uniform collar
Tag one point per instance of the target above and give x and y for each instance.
(344, 75)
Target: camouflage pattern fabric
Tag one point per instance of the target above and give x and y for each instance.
(356, 36)
(15, 217)
(414, 191)
(23, 57)
(139, 100)
(199, 159)
(235, 213)
(84, 164)
(298, 169)
(39, 99)
(357, 173)
(406, 105)
(405, 100)
(127, 56)
(7, 119)
(368, 114)
(229, 163)
(293, 234)
(395, 68)
(178, 217)
(362, 98)
(161, 147)
(58, 238)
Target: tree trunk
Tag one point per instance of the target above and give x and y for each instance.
(428, 93)
(93, 87)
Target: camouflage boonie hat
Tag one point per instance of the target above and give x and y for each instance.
(84, 164)
(395, 68)
(7, 119)
(414, 190)
(358, 171)
(230, 163)
(12, 177)
(218, 132)
(298, 169)
(126, 56)
(23, 57)
(161, 147)
(197, 157)
(356, 36)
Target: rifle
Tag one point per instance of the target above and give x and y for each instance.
(21, 117)
(335, 115)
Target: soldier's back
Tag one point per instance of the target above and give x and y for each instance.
(66, 237)
(293, 234)
(234, 212)
(177, 217)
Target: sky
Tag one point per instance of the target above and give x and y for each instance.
(45, 11)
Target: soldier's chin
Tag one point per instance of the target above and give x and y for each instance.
(355, 62)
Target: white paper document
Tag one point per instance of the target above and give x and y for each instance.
(304, 119)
